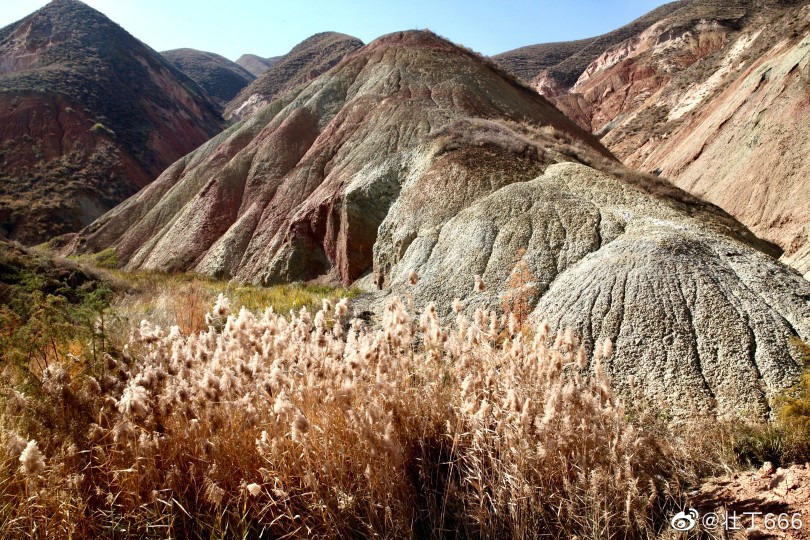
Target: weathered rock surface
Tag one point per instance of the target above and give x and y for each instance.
(307, 60)
(759, 499)
(217, 75)
(88, 115)
(700, 318)
(713, 96)
(415, 155)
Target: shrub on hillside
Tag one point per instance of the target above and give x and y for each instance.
(795, 403)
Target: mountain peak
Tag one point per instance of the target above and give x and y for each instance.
(66, 11)
(217, 75)
(304, 62)
(110, 113)
(413, 38)
(323, 37)
(369, 109)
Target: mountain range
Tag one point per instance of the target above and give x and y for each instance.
(639, 186)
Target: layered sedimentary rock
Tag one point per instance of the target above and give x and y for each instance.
(713, 96)
(741, 137)
(88, 115)
(553, 68)
(413, 155)
(298, 190)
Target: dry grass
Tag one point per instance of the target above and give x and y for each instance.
(309, 425)
(184, 299)
(231, 421)
(480, 132)
(521, 291)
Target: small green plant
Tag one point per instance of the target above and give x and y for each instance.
(106, 259)
(794, 404)
(754, 444)
(783, 441)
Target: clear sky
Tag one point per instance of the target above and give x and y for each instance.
(273, 27)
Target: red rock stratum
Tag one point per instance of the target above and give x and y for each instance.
(713, 96)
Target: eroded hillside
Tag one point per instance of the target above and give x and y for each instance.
(416, 156)
(713, 96)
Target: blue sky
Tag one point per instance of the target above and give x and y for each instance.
(271, 27)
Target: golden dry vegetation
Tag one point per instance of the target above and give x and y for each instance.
(240, 421)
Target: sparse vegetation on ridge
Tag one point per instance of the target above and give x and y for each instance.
(78, 67)
(218, 76)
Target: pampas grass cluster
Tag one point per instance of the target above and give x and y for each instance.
(312, 425)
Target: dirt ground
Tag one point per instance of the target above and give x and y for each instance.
(769, 503)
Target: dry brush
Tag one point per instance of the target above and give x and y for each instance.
(266, 425)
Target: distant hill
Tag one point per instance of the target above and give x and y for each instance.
(304, 62)
(555, 67)
(88, 115)
(527, 62)
(217, 75)
(256, 65)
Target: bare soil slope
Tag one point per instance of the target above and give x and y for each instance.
(713, 96)
(784, 493)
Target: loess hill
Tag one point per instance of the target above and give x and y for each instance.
(304, 62)
(217, 75)
(255, 64)
(415, 155)
(88, 115)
